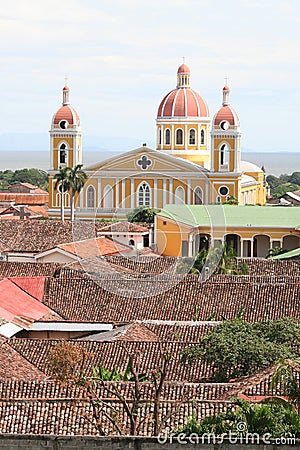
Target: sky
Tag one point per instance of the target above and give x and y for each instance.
(121, 57)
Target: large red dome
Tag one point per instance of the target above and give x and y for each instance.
(183, 102)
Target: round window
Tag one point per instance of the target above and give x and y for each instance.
(63, 124)
(223, 190)
(224, 125)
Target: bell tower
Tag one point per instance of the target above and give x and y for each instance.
(226, 138)
(65, 136)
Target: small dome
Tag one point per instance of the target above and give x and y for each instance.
(68, 113)
(183, 69)
(228, 114)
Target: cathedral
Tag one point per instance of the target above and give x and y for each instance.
(197, 160)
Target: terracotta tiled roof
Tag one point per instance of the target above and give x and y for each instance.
(136, 332)
(113, 355)
(99, 246)
(267, 267)
(40, 235)
(24, 199)
(14, 366)
(124, 227)
(27, 269)
(122, 299)
(145, 264)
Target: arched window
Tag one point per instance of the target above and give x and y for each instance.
(167, 137)
(90, 197)
(144, 195)
(108, 196)
(63, 156)
(224, 149)
(192, 137)
(202, 137)
(179, 196)
(159, 136)
(179, 136)
(198, 196)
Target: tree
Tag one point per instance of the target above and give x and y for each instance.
(284, 376)
(63, 185)
(275, 251)
(231, 201)
(222, 260)
(268, 416)
(142, 214)
(76, 179)
(238, 348)
(127, 409)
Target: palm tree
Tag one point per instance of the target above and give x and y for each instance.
(76, 178)
(63, 184)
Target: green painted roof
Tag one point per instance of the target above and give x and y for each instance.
(287, 255)
(235, 216)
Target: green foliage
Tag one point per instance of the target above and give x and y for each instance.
(106, 375)
(269, 416)
(275, 251)
(237, 348)
(223, 259)
(284, 183)
(142, 214)
(36, 177)
(231, 201)
(284, 376)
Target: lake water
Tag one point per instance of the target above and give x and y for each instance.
(274, 163)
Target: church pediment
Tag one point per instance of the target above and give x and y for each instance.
(145, 160)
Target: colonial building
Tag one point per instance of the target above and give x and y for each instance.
(196, 161)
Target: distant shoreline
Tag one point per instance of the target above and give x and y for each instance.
(275, 163)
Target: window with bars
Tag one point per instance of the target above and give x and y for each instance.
(144, 195)
(192, 137)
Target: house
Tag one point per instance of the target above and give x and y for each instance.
(127, 233)
(82, 250)
(183, 230)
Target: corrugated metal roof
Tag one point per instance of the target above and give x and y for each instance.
(15, 303)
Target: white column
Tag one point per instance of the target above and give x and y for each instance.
(189, 192)
(252, 247)
(172, 137)
(132, 193)
(190, 246)
(123, 193)
(185, 137)
(199, 137)
(212, 153)
(155, 193)
(117, 192)
(242, 247)
(171, 191)
(164, 192)
(99, 194)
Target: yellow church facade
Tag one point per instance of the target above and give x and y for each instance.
(196, 161)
